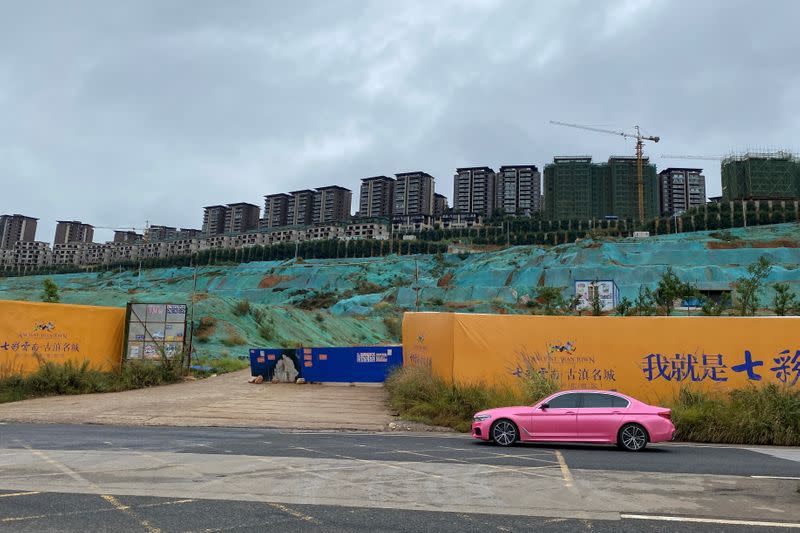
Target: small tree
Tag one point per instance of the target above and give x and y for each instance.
(570, 305)
(784, 301)
(645, 304)
(715, 308)
(50, 291)
(596, 302)
(550, 299)
(624, 306)
(669, 289)
(747, 288)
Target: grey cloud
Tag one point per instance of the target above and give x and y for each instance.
(117, 113)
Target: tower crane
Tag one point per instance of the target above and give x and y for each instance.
(639, 152)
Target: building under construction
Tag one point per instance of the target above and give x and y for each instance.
(761, 176)
(576, 188)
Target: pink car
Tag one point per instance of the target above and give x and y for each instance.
(578, 416)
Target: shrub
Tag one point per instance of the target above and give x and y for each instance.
(367, 287)
(259, 315)
(394, 326)
(205, 329)
(318, 300)
(241, 308)
(234, 338)
(267, 331)
(768, 415)
(50, 291)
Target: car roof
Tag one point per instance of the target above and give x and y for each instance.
(595, 391)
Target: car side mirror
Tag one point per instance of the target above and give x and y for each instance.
(544, 406)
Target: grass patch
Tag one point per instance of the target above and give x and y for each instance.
(241, 308)
(233, 338)
(420, 396)
(768, 415)
(53, 379)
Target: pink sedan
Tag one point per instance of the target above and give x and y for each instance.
(578, 416)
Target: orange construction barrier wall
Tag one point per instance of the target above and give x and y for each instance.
(34, 332)
(650, 358)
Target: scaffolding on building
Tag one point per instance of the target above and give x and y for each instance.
(761, 174)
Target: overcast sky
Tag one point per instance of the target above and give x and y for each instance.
(115, 113)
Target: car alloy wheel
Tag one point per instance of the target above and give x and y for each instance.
(633, 437)
(504, 433)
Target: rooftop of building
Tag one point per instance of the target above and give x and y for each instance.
(437, 195)
(414, 173)
(333, 187)
(278, 195)
(680, 169)
(78, 222)
(518, 167)
(216, 207)
(20, 216)
(300, 191)
(467, 169)
(237, 204)
(378, 178)
(582, 158)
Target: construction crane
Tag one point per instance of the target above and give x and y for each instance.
(701, 157)
(639, 153)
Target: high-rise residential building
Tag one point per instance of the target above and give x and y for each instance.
(569, 190)
(473, 190)
(214, 217)
(16, 228)
(413, 193)
(276, 210)
(440, 206)
(576, 188)
(624, 188)
(73, 231)
(157, 233)
(377, 197)
(127, 236)
(332, 204)
(301, 208)
(242, 217)
(518, 189)
(681, 189)
(761, 176)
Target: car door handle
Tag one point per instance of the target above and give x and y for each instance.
(616, 412)
(570, 413)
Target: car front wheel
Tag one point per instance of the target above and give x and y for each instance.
(504, 433)
(632, 437)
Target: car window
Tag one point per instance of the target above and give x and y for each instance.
(619, 401)
(565, 401)
(598, 400)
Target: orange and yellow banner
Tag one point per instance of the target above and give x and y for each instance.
(650, 358)
(31, 333)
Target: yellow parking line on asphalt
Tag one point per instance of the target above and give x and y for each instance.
(295, 513)
(565, 473)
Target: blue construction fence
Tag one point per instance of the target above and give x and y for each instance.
(351, 364)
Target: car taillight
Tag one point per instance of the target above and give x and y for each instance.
(666, 414)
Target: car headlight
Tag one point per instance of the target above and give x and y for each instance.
(481, 418)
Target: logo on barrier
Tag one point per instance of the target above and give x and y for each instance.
(45, 327)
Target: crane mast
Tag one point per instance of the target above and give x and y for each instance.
(639, 154)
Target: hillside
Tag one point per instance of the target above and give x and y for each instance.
(353, 301)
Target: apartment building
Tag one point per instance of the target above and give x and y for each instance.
(301, 208)
(73, 231)
(440, 206)
(681, 189)
(276, 211)
(518, 189)
(126, 236)
(377, 197)
(332, 204)
(16, 228)
(241, 217)
(189, 233)
(214, 217)
(157, 233)
(473, 190)
(413, 194)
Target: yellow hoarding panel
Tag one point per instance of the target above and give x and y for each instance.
(34, 332)
(428, 341)
(650, 358)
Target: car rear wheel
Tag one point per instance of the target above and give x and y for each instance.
(632, 437)
(504, 433)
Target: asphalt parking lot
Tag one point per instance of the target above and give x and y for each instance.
(107, 478)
